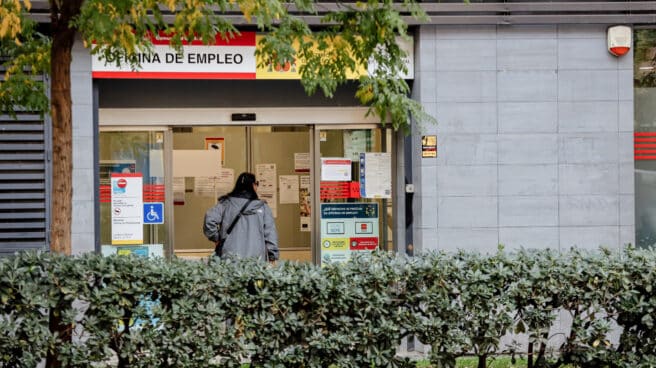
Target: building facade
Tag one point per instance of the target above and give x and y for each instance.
(534, 145)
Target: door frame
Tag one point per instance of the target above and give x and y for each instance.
(315, 118)
(316, 177)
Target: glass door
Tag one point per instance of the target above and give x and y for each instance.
(208, 159)
(132, 193)
(153, 200)
(355, 191)
(281, 162)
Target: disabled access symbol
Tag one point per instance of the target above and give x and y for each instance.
(153, 213)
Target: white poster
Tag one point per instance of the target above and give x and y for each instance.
(288, 189)
(335, 169)
(302, 162)
(226, 182)
(196, 162)
(178, 190)
(127, 208)
(216, 143)
(215, 186)
(376, 175)
(268, 186)
(205, 186)
(356, 142)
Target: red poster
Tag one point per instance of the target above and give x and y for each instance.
(370, 243)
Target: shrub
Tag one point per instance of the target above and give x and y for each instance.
(135, 312)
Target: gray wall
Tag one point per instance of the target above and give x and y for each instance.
(535, 138)
(83, 224)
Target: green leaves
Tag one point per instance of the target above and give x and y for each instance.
(187, 314)
(356, 38)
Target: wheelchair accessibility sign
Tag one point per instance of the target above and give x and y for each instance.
(153, 213)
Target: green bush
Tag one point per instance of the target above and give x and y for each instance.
(135, 312)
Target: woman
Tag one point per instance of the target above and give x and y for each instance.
(254, 232)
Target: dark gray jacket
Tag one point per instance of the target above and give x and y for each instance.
(254, 234)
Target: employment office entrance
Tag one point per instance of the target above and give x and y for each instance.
(329, 186)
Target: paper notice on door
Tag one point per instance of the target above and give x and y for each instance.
(302, 162)
(305, 203)
(127, 208)
(226, 182)
(205, 186)
(306, 224)
(375, 175)
(268, 187)
(335, 169)
(288, 189)
(216, 143)
(179, 190)
(355, 142)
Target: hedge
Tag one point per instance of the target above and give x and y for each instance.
(126, 311)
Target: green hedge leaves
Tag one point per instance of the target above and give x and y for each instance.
(575, 309)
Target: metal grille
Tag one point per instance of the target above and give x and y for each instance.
(24, 181)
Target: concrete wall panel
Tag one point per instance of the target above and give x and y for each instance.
(563, 145)
(525, 180)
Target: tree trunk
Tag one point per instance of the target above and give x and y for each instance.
(62, 132)
(61, 13)
(482, 361)
(61, 330)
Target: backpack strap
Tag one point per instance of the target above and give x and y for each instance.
(241, 211)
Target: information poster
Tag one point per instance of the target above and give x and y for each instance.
(216, 143)
(376, 175)
(289, 189)
(302, 162)
(127, 208)
(356, 142)
(335, 169)
(268, 187)
(347, 228)
(428, 146)
(146, 250)
(305, 203)
(179, 190)
(226, 182)
(205, 186)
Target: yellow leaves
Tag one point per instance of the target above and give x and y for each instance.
(134, 13)
(365, 95)
(28, 4)
(126, 37)
(10, 23)
(192, 4)
(171, 4)
(247, 8)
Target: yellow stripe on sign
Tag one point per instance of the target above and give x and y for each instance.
(127, 242)
(330, 244)
(290, 70)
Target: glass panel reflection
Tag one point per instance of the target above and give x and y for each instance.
(645, 136)
(133, 155)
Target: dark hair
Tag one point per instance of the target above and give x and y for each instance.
(243, 187)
